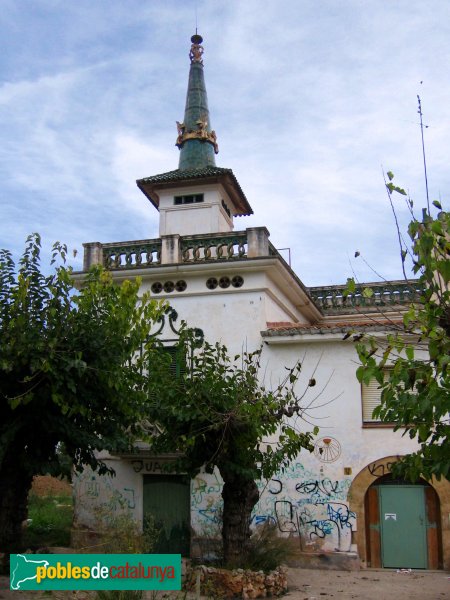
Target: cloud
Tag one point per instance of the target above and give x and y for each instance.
(308, 99)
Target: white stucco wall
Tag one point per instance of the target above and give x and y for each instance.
(310, 499)
(193, 219)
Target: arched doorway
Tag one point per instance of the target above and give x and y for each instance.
(437, 509)
(402, 524)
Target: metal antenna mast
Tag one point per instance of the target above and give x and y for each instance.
(423, 153)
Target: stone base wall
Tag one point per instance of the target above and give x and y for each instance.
(236, 583)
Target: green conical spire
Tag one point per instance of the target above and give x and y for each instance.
(196, 140)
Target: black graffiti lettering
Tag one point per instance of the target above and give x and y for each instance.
(380, 469)
(326, 487)
(284, 513)
(137, 465)
(339, 518)
(276, 487)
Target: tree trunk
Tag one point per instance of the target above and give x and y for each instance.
(15, 484)
(239, 495)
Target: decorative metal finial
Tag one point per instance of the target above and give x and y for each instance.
(196, 51)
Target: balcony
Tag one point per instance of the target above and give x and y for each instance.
(175, 249)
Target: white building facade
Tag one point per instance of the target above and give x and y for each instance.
(340, 501)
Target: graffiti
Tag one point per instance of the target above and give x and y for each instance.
(314, 518)
(91, 487)
(202, 488)
(261, 519)
(148, 466)
(326, 519)
(211, 514)
(130, 500)
(95, 493)
(325, 487)
(297, 471)
(285, 516)
(206, 500)
(379, 469)
(300, 503)
(275, 487)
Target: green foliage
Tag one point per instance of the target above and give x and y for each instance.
(416, 395)
(71, 375)
(66, 357)
(50, 521)
(217, 413)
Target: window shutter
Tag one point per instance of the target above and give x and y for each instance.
(178, 362)
(371, 395)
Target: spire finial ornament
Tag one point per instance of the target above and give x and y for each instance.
(195, 138)
(196, 51)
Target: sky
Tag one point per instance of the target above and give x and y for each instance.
(310, 100)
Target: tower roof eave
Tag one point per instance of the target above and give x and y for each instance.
(190, 177)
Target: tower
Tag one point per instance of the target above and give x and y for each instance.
(198, 197)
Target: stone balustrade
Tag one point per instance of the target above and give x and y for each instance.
(220, 247)
(333, 298)
(175, 249)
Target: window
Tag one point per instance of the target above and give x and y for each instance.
(191, 199)
(371, 397)
(178, 361)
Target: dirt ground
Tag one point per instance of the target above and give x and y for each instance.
(311, 584)
(368, 584)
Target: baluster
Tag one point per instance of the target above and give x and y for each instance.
(196, 252)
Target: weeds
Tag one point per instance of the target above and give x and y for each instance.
(121, 534)
(267, 550)
(119, 595)
(50, 520)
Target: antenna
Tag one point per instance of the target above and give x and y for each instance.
(196, 19)
(423, 153)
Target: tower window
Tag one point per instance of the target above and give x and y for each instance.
(191, 199)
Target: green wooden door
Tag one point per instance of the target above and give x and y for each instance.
(403, 526)
(167, 499)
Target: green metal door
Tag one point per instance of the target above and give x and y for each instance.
(167, 499)
(403, 526)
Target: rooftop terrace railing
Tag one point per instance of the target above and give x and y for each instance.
(333, 298)
(227, 246)
(175, 249)
(128, 255)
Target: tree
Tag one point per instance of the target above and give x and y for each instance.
(416, 391)
(216, 413)
(70, 373)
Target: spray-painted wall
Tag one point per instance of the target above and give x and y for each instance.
(309, 500)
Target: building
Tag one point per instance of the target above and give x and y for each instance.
(340, 501)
